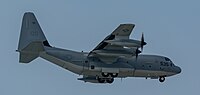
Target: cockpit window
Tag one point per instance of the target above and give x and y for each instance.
(167, 59)
(164, 63)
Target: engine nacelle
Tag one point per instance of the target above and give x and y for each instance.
(125, 42)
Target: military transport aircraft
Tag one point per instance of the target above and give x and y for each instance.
(116, 56)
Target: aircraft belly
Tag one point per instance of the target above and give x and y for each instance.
(122, 72)
(126, 72)
(150, 73)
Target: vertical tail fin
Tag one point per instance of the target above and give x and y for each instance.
(32, 39)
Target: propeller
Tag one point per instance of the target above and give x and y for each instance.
(142, 45)
(137, 52)
(142, 42)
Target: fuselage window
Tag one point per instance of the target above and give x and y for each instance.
(142, 65)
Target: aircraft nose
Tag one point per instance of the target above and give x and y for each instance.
(178, 70)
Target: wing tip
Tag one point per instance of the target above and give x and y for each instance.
(131, 24)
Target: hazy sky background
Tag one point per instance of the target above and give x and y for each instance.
(171, 28)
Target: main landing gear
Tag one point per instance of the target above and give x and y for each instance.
(103, 80)
(111, 74)
(162, 79)
(106, 77)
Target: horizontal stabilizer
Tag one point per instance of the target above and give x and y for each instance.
(27, 57)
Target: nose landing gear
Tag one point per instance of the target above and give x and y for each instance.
(162, 79)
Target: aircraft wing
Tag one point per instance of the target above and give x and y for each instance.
(109, 52)
(123, 31)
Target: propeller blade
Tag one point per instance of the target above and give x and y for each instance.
(142, 42)
(137, 52)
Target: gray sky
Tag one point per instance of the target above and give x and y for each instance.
(171, 28)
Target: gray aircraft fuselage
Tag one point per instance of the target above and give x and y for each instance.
(148, 66)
